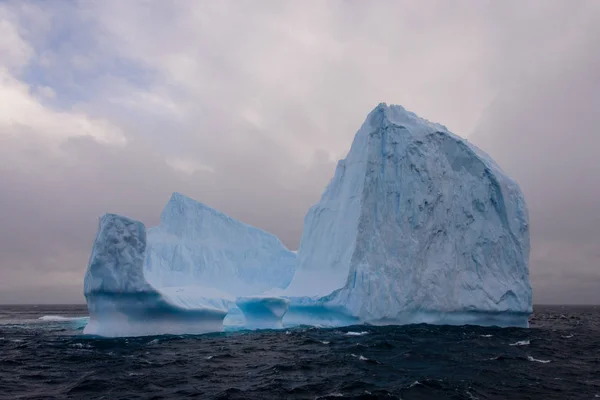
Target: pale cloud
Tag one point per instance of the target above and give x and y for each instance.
(187, 166)
(14, 51)
(24, 113)
(109, 106)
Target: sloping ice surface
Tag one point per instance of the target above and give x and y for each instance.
(417, 225)
(197, 245)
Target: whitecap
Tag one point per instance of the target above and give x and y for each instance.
(568, 336)
(356, 333)
(325, 342)
(361, 358)
(521, 343)
(209, 357)
(155, 341)
(536, 360)
(81, 346)
(486, 335)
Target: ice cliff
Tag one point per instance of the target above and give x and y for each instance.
(417, 225)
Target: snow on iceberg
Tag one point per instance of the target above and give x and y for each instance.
(121, 302)
(417, 225)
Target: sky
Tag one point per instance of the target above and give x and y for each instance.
(110, 106)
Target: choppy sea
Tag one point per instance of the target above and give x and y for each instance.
(44, 355)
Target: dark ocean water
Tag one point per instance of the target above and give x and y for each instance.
(557, 358)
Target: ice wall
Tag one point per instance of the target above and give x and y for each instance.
(120, 300)
(417, 225)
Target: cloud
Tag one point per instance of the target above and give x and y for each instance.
(49, 214)
(543, 130)
(110, 106)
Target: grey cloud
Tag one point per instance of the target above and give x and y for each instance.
(49, 213)
(543, 130)
(269, 94)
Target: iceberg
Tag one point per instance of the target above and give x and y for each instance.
(416, 226)
(184, 275)
(195, 244)
(121, 302)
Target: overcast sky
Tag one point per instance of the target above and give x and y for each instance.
(109, 106)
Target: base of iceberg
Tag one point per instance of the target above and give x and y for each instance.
(148, 314)
(263, 312)
(324, 315)
(318, 315)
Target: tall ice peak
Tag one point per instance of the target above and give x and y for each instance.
(396, 115)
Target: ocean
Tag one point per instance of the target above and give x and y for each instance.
(44, 355)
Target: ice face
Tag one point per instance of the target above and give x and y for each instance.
(417, 225)
(120, 300)
(184, 275)
(197, 245)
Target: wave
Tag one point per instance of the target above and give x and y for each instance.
(356, 333)
(520, 343)
(536, 360)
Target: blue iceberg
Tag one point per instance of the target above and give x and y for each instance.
(416, 226)
(197, 245)
(182, 276)
(121, 302)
